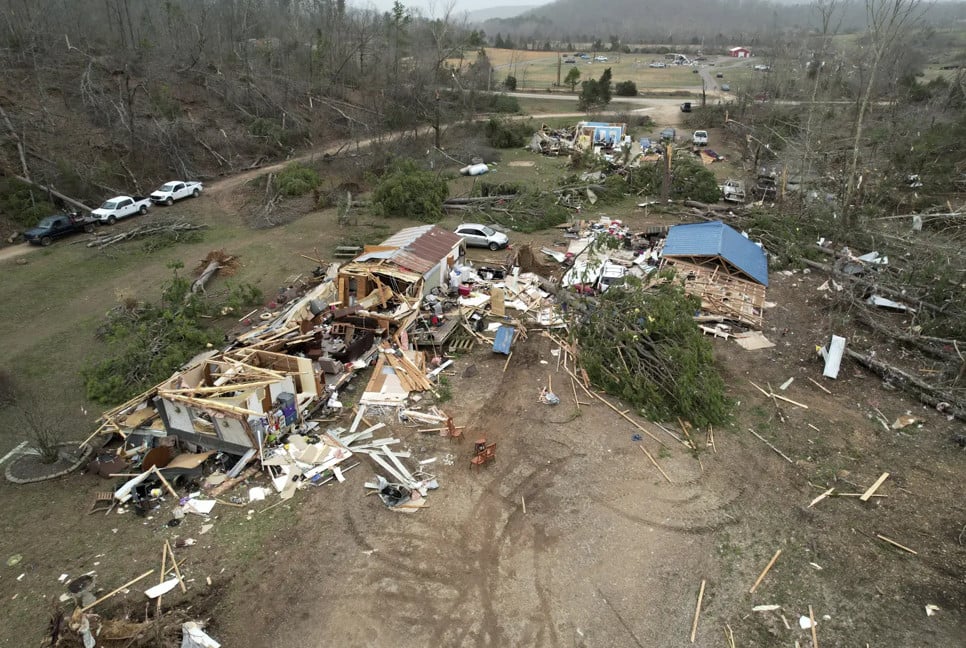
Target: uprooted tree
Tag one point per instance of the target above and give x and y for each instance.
(640, 344)
(146, 342)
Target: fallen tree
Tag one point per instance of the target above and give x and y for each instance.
(641, 344)
(175, 229)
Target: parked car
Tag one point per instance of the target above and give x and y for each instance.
(477, 235)
(121, 207)
(725, 87)
(570, 61)
(762, 68)
(733, 191)
(611, 274)
(699, 138)
(686, 106)
(719, 75)
(54, 227)
(668, 134)
(600, 59)
(176, 190)
(657, 64)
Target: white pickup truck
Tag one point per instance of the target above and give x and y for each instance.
(121, 207)
(700, 138)
(176, 190)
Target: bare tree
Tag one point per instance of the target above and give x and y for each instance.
(887, 20)
(829, 12)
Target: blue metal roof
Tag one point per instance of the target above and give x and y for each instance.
(717, 239)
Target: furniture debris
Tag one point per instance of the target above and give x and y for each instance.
(484, 453)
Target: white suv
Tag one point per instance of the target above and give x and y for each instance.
(476, 235)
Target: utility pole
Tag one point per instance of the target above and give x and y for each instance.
(558, 68)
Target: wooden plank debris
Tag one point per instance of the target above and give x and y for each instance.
(811, 617)
(174, 563)
(874, 487)
(893, 542)
(820, 386)
(119, 589)
(761, 576)
(820, 498)
(779, 397)
(656, 465)
(697, 612)
(768, 443)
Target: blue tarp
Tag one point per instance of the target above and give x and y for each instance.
(717, 239)
(504, 339)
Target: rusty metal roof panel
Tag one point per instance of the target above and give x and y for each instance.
(411, 262)
(434, 245)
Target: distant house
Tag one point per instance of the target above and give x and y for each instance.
(726, 270)
(739, 52)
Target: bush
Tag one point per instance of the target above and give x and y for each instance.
(501, 103)
(510, 83)
(505, 133)
(626, 89)
(407, 190)
(297, 180)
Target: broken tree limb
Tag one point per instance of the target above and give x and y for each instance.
(885, 290)
(154, 229)
(768, 443)
(928, 394)
(199, 284)
(56, 194)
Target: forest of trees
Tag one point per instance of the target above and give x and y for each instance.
(104, 97)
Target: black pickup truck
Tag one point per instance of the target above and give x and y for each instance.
(53, 227)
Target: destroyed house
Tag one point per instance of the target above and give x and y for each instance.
(410, 261)
(717, 264)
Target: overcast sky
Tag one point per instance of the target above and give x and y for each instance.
(461, 5)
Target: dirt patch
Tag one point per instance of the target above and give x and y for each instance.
(608, 552)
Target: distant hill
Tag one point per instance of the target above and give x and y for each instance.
(490, 13)
(716, 22)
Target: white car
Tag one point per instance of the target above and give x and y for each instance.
(600, 59)
(176, 190)
(476, 235)
(121, 207)
(657, 64)
(699, 138)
